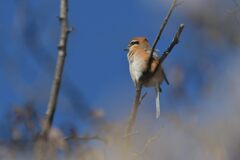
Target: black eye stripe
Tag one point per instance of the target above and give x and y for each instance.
(134, 42)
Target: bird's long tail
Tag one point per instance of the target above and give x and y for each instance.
(158, 90)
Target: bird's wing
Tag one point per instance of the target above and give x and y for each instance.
(155, 53)
(156, 56)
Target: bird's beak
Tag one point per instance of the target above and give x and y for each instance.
(126, 49)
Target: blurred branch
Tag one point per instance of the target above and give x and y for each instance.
(236, 11)
(236, 3)
(131, 134)
(62, 47)
(147, 144)
(84, 138)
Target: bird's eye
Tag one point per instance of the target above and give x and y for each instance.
(134, 42)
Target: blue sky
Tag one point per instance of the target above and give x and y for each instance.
(96, 62)
(199, 109)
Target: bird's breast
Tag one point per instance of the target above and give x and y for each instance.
(137, 66)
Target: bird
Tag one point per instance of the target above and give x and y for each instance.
(138, 55)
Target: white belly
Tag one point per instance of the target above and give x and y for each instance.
(136, 69)
(136, 73)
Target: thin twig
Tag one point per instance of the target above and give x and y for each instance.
(172, 45)
(85, 138)
(147, 144)
(143, 96)
(62, 47)
(131, 134)
(174, 42)
(165, 21)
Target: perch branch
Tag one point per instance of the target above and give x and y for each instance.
(137, 100)
(62, 47)
(133, 115)
(165, 21)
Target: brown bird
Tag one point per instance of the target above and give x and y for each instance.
(138, 56)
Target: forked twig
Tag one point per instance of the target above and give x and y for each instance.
(137, 100)
(174, 42)
(165, 21)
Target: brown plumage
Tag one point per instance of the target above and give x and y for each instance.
(138, 55)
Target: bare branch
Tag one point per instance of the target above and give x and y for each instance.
(174, 4)
(137, 102)
(85, 138)
(135, 106)
(62, 47)
(174, 42)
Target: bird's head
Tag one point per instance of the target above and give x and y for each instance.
(138, 41)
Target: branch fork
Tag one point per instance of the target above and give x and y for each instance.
(175, 41)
